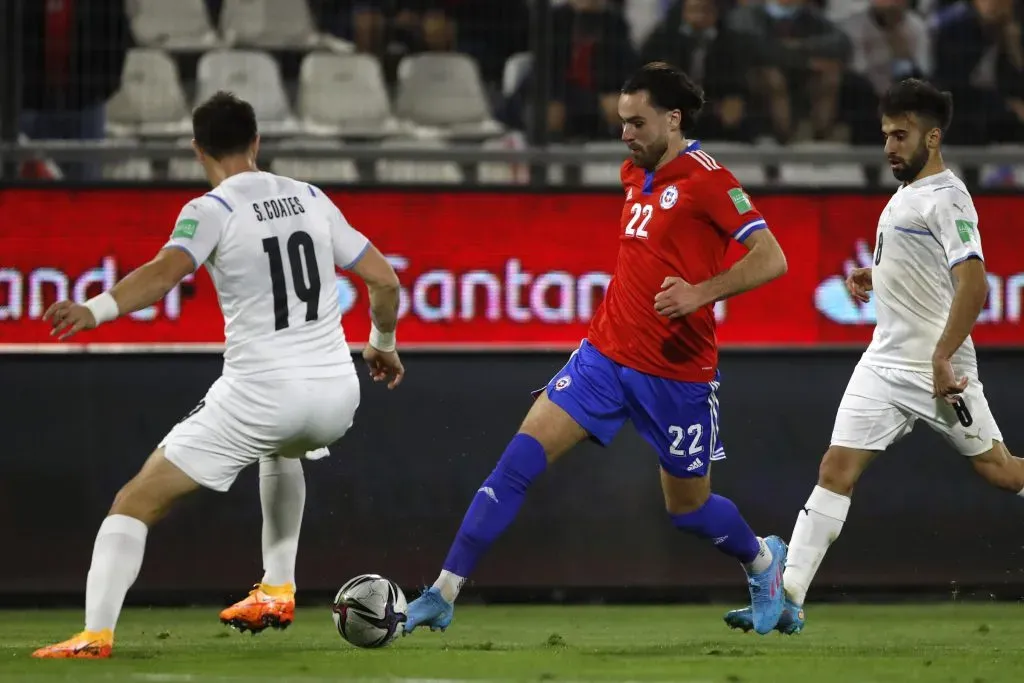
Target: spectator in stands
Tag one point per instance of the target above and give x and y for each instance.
(979, 57)
(591, 57)
(488, 31)
(799, 60)
(73, 54)
(890, 42)
(693, 38)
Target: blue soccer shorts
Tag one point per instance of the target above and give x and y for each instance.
(679, 419)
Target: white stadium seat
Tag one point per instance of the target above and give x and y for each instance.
(444, 91)
(254, 76)
(181, 25)
(151, 101)
(344, 95)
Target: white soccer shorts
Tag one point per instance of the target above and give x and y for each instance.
(241, 420)
(881, 406)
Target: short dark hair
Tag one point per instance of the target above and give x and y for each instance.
(669, 88)
(914, 96)
(224, 125)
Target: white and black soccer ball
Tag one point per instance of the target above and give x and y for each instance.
(369, 611)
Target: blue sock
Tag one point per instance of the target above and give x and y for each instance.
(721, 522)
(496, 503)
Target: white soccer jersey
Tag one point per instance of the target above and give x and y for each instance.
(271, 245)
(928, 227)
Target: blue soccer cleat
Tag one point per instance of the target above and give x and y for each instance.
(430, 609)
(790, 623)
(766, 594)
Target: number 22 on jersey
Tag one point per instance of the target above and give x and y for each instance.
(640, 214)
(300, 248)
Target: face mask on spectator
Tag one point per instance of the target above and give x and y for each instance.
(777, 11)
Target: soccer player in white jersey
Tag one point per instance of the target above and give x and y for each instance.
(289, 386)
(929, 284)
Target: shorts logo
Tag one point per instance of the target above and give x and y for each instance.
(669, 197)
(563, 382)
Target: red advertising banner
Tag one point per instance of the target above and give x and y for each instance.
(487, 271)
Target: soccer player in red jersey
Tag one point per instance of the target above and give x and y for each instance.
(651, 355)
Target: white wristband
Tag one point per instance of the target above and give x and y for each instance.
(382, 341)
(104, 308)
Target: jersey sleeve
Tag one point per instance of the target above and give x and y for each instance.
(348, 243)
(198, 230)
(728, 206)
(954, 222)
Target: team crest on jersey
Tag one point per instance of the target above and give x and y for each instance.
(669, 197)
(563, 382)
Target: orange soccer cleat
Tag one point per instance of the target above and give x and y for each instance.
(86, 645)
(266, 606)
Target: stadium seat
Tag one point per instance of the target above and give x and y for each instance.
(517, 67)
(344, 95)
(1004, 175)
(749, 173)
(128, 170)
(151, 101)
(185, 167)
(417, 172)
(443, 91)
(603, 173)
(254, 76)
(181, 25)
(316, 170)
(824, 174)
(497, 173)
(275, 25)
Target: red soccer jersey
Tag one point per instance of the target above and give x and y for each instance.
(677, 221)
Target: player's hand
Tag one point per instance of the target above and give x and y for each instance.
(858, 282)
(68, 318)
(944, 382)
(385, 366)
(677, 298)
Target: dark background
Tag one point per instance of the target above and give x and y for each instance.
(391, 496)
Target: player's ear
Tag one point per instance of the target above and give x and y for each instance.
(934, 138)
(199, 152)
(255, 149)
(675, 120)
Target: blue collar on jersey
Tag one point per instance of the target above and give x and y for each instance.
(649, 175)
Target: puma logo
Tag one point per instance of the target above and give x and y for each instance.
(968, 436)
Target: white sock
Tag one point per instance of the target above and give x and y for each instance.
(817, 526)
(283, 498)
(116, 560)
(763, 559)
(449, 584)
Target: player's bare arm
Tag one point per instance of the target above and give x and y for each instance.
(763, 262)
(969, 299)
(141, 288)
(382, 283)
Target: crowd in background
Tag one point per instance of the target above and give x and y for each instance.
(781, 69)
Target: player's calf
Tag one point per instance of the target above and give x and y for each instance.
(1000, 468)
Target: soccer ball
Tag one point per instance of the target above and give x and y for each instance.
(369, 610)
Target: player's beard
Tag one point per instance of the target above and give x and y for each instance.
(912, 166)
(649, 158)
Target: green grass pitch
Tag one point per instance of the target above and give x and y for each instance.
(968, 642)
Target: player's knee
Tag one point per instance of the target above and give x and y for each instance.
(1000, 469)
(553, 428)
(138, 501)
(683, 496)
(838, 472)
